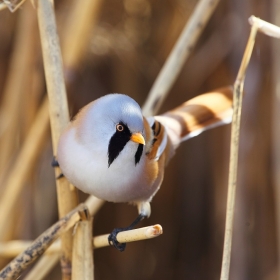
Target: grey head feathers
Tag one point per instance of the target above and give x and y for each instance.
(103, 115)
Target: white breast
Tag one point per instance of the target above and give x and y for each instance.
(87, 168)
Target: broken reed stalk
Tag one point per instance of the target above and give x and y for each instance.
(83, 251)
(179, 55)
(234, 147)
(59, 116)
(38, 247)
(13, 248)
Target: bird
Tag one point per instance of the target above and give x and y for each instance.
(110, 150)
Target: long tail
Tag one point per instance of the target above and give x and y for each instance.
(200, 113)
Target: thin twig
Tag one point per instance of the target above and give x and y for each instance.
(38, 247)
(59, 115)
(234, 146)
(179, 55)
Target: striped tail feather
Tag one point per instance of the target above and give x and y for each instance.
(200, 113)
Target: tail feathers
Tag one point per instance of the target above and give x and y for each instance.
(200, 113)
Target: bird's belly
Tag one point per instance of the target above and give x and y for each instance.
(117, 183)
(122, 181)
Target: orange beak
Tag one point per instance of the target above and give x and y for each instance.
(137, 138)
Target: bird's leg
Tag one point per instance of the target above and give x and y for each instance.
(112, 239)
(56, 164)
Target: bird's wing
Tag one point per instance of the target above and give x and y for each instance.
(158, 139)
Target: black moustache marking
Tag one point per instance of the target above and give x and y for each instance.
(138, 153)
(117, 143)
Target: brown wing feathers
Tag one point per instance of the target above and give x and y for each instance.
(158, 134)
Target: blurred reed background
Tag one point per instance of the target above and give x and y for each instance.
(123, 48)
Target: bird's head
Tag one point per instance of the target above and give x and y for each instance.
(110, 123)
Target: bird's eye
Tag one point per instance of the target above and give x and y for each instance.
(119, 127)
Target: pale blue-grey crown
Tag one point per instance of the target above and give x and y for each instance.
(107, 111)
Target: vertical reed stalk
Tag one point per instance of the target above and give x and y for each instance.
(59, 116)
(234, 146)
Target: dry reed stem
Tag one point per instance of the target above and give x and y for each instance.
(59, 116)
(40, 244)
(179, 55)
(12, 248)
(23, 166)
(83, 251)
(265, 27)
(129, 236)
(234, 147)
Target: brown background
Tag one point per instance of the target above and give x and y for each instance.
(126, 50)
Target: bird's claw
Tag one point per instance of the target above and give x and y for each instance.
(112, 239)
(56, 164)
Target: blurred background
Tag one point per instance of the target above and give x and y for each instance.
(123, 50)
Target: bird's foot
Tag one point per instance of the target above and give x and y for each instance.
(56, 164)
(112, 239)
